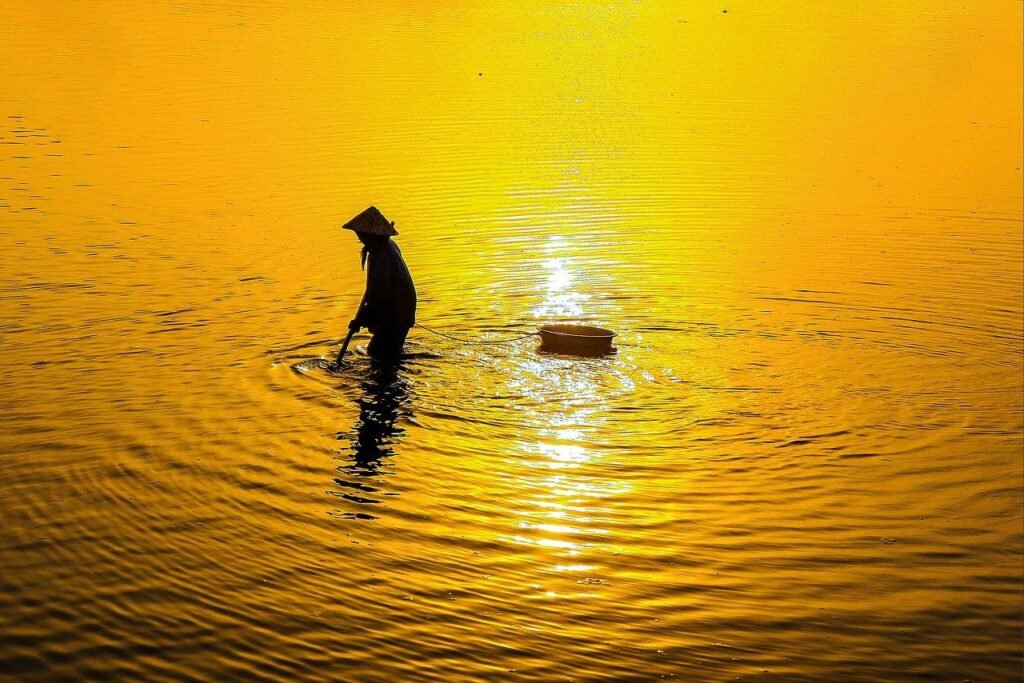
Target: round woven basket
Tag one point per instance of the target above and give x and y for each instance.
(576, 340)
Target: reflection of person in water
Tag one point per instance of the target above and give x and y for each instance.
(384, 401)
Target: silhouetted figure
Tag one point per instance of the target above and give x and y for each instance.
(388, 308)
(384, 401)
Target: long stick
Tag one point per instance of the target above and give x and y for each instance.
(344, 347)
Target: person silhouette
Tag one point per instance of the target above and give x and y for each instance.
(388, 307)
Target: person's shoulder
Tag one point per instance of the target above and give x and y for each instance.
(396, 253)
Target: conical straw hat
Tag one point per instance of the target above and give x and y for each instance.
(372, 222)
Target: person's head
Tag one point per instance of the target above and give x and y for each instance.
(372, 241)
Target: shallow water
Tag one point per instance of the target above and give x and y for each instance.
(803, 463)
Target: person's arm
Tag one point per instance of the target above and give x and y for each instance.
(357, 319)
(369, 313)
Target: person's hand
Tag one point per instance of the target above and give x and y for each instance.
(354, 325)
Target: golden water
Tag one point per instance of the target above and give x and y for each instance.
(803, 464)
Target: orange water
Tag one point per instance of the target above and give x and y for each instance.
(804, 463)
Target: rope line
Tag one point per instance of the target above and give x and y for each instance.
(472, 341)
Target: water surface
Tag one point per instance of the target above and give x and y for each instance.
(804, 462)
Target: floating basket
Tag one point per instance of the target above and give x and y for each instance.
(576, 340)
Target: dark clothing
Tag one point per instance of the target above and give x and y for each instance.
(387, 343)
(388, 308)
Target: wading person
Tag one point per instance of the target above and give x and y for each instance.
(388, 308)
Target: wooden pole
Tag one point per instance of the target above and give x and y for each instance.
(344, 347)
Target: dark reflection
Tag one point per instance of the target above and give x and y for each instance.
(385, 399)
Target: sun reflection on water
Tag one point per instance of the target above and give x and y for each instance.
(562, 301)
(567, 487)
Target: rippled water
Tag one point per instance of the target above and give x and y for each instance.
(803, 463)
